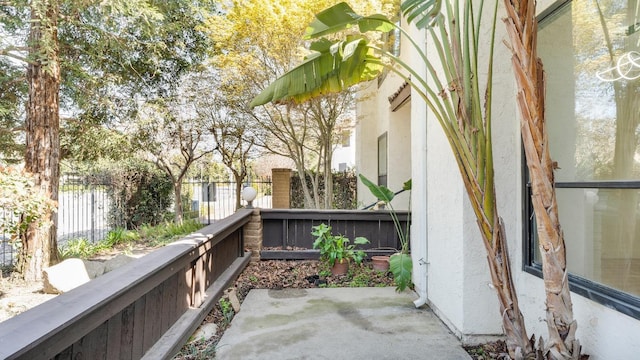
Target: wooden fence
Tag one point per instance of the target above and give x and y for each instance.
(291, 229)
(146, 309)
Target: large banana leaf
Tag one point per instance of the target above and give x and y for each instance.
(341, 17)
(332, 67)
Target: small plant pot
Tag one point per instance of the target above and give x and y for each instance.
(340, 268)
(380, 262)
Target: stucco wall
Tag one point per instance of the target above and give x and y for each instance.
(374, 119)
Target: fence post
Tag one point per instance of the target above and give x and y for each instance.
(281, 184)
(252, 233)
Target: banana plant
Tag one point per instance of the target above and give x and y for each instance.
(400, 263)
(455, 97)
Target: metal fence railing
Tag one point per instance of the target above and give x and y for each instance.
(83, 208)
(210, 201)
(6, 248)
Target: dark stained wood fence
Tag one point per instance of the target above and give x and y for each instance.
(146, 309)
(291, 228)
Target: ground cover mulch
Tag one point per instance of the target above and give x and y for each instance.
(281, 274)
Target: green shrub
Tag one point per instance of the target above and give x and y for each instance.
(139, 193)
(78, 248)
(345, 184)
(152, 235)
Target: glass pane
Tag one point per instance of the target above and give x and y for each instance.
(602, 235)
(591, 54)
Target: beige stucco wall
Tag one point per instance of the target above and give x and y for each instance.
(373, 120)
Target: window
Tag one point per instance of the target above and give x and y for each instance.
(382, 159)
(591, 55)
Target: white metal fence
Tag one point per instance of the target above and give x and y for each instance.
(83, 208)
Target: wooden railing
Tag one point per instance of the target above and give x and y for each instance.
(291, 229)
(145, 309)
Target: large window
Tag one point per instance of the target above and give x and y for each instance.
(591, 54)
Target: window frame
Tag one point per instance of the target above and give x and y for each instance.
(607, 296)
(620, 301)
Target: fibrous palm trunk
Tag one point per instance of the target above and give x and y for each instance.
(522, 28)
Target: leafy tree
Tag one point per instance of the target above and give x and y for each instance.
(13, 91)
(255, 42)
(87, 140)
(234, 137)
(91, 55)
(171, 134)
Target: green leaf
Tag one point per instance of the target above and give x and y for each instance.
(424, 11)
(334, 67)
(407, 185)
(381, 192)
(340, 17)
(401, 266)
(360, 240)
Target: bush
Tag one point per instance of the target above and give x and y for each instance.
(345, 184)
(21, 204)
(139, 193)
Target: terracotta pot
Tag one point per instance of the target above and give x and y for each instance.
(340, 268)
(380, 262)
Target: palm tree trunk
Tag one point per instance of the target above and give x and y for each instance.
(522, 28)
(42, 156)
(518, 342)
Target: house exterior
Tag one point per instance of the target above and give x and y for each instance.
(344, 152)
(589, 50)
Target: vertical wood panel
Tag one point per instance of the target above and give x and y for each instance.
(115, 334)
(169, 303)
(190, 282)
(153, 317)
(92, 346)
(198, 285)
(138, 328)
(124, 331)
(184, 293)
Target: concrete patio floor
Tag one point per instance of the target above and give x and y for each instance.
(336, 323)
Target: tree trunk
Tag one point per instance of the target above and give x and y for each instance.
(522, 28)
(518, 343)
(238, 178)
(177, 193)
(328, 175)
(42, 156)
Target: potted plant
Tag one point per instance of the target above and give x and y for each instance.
(336, 250)
(400, 263)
